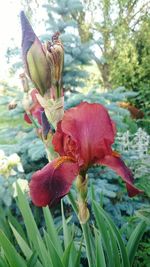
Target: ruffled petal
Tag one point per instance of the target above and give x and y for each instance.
(52, 182)
(89, 126)
(116, 164)
(65, 145)
(58, 140)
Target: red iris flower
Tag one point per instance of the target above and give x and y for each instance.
(35, 109)
(83, 137)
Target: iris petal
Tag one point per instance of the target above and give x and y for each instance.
(116, 164)
(89, 126)
(53, 182)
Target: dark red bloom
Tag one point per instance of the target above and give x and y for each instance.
(83, 137)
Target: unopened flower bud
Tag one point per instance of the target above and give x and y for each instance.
(83, 212)
(55, 57)
(81, 185)
(36, 64)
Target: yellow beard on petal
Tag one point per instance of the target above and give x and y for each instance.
(63, 159)
(115, 154)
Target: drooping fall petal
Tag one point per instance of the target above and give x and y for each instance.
(52, 182)
(87, 131)
(117, 164)
(34, 57)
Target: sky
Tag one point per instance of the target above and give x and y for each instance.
(9, 28)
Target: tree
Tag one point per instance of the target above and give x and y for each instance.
(114, 23)
(106, 31)
(142, 40)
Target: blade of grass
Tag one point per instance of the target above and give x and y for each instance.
(55, 259)
(51, 229)
(103, 228)
(100, 258)
(12, 256)
(21, 242)
(28, 253)
(115, 248)
(67, 255)
(78, 257)
(13, 221)
(45, 257)
(32, 262)
(4, 226)
(3, 262)
(66, 230)
(31, 227)
(134, 240)
(122, 248)
(33, 233)
(68, 238)
(88, 243)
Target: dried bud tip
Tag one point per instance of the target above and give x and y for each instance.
(55, 36)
